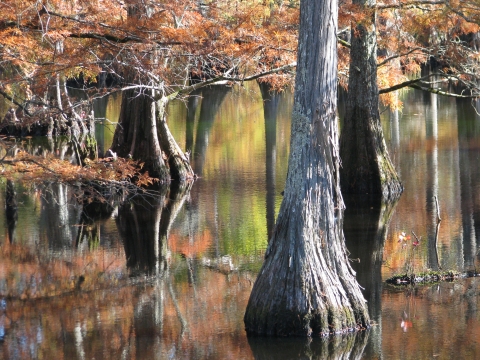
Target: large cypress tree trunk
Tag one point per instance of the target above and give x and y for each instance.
(306, 285)
(136, 133)
(366, 165)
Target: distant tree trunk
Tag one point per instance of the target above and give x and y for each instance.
(212, 99)
(306, 285)
(366, 165)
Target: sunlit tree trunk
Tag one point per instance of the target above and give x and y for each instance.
(178, 162)
(136, 133)
(306, 285)
(366, 165)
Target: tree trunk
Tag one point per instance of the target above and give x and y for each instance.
(306, 285)
(179, 163)
(136, 133)
(366, 166)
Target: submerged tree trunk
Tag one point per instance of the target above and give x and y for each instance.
(366, 165)
(306, 285)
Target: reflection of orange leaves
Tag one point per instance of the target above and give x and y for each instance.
(190, 247)
(405, 325)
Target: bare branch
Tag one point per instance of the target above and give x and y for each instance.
(10, 98)
(400, 55)
(344, 43)
(409, 4)
(217, 79)
(444, 93)
(404, 84)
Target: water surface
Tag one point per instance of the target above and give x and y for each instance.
(168, 276)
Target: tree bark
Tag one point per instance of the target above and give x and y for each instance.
(179, 163)
(366, 165)
(306, 285)
(136, 134)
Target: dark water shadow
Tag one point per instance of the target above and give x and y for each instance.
(88, 225)
(194, 100)
(270, 111)
(144, 223)
(365, 227)
(11, 210)
(468, 131)
(349, 346)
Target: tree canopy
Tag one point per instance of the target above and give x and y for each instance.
(174, 42)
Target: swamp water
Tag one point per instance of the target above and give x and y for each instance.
(168, 276)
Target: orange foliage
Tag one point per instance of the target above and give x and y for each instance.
(143, 42)
(29, 168)
(190, 247)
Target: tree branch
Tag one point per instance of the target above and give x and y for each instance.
(461, 14)
(189, 89)
(122, 40)
(344, 43)
(11, 99)
(409, 4)
(444, 93)
(403, 84)
(398, 55)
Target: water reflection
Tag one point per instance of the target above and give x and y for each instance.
(366, 227)
(58, 216)
(212, 98)
(270, 110)
(350, 346)
(433, 226)
(169, 275)
(11, 209)
(468, 131)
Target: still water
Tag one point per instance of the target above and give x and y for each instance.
(168, 276)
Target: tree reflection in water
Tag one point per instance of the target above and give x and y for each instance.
(366, 227)
(348, 346)
(177, 299)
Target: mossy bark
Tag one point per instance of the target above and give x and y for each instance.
(306, 286)
(366, 164)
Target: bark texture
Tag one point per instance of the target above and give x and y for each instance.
(136, 133)
(306, 285)
(366, 165)
(179, 164)
(142, 133)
